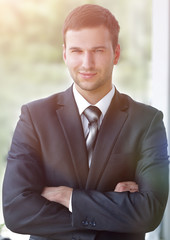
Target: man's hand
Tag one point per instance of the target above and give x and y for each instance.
(126, 186)
(58, 194)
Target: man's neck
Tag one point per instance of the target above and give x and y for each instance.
(93, 96)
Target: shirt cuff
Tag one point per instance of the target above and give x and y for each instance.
(70, 203)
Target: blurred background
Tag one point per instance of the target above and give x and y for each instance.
(31, 64)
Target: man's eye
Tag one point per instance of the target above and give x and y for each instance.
(99, 50)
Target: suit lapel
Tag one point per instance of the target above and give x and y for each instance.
(71, 124)
(108, 134)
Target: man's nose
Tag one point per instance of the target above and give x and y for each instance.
(88, 60)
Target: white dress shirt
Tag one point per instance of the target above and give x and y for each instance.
(82, 104)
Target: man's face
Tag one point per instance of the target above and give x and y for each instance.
(90, 58)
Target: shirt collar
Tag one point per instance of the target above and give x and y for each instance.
(103, 104)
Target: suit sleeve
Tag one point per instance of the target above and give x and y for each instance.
(130, 212)
(25, 210)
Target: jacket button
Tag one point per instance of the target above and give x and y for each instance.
(93, 224)
(85, 223)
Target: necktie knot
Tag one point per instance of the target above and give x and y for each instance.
(92, 113)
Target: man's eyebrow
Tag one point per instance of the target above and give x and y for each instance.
(74, 48)
(93, 48)
(101, 47)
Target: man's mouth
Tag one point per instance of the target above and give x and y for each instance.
(87, 75)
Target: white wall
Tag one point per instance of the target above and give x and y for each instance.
(160, 87)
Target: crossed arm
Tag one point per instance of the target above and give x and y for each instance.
(63, 194)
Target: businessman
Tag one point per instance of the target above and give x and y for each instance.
(89, 163)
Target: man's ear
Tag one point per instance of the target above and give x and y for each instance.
(64, 53)
(117, 54)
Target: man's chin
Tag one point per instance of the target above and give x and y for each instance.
(87, 86)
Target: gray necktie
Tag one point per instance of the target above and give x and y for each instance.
(92, 113)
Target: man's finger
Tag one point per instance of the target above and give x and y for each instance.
(126, 186)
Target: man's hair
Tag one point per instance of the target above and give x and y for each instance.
(90, 15)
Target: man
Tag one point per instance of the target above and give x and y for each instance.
(63, 181)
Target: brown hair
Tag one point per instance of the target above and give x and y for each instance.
(90, 15)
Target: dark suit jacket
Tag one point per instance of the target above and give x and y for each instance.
(48, 149)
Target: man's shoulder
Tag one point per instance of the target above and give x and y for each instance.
(51, 101)
(136, 106)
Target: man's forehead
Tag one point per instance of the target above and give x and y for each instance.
(97, 36)
(87, 28)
